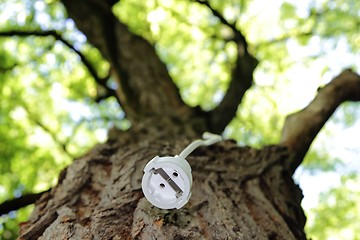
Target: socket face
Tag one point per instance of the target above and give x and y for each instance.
(167, 182)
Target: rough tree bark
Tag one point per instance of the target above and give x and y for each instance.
(238, 192)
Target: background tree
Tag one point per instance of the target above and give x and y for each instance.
(250, 190)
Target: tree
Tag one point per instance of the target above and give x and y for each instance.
(238, 192)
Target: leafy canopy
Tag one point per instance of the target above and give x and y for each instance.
(51, 106)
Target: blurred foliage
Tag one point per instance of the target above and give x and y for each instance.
(337, 207)
(9, 223)
(49, 115)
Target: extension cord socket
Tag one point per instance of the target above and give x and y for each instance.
(167, 181)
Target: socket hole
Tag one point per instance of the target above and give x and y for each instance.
(175, 174)
(162, 185)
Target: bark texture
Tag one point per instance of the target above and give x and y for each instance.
(238, 193)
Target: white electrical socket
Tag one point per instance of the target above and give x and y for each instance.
(167, 181)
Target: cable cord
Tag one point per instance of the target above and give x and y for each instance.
(208, 139)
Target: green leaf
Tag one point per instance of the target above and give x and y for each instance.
(287, 11)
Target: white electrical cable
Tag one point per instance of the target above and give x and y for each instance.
(208, 139)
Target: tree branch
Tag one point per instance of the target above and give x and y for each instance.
(146, 87)
(284, 38)
(20, 202)
(238, 36)
(6, 68)
(301, 128)
(61, 144)
(241, 77)
(52, 33)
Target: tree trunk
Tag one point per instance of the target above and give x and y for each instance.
(237, 193)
